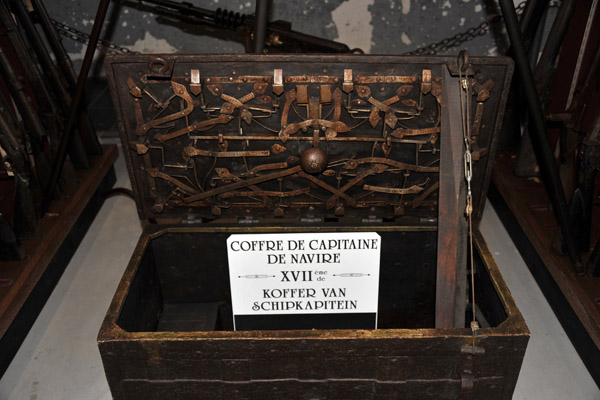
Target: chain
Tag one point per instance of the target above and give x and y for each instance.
(82, 37)
(468, 35)
(465, 110)
(431, 49)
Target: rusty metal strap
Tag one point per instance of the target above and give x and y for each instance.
(371, 171)
(239, 79)
(393, 163)
(238, 103)
(349, 200)
(265, 167)
(337, 104)
(191, 151)
(293, 128)
(401, 132)
(154, 173)
(290, 96)
(380, 105)
(241, 184)
(382, 189)
(386, 79)
(221, 119)
(269, 193)
(179, 91)
(139, 117)
(419, 200)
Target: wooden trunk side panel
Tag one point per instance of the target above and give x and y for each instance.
(172, 347)
(489, 389)
(332, 390)
(328, 369)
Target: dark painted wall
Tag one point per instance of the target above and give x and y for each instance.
(376, 26)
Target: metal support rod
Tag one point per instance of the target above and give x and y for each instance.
(22, 101)
(76, 149)
(24, 54)
(525, 165)
(539, 137)
(91, 143)
(260, 25)
(54, 41)
(542, 73)
(67, 135)
(534, 48)
(41, 52)
(531, 20)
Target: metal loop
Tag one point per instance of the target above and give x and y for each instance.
(158, 65)
(468, 166)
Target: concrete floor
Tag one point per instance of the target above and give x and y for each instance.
(59, 360)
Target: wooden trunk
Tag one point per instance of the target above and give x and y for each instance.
(394, 362)
(168, 332)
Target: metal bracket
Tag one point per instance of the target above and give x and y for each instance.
(348, 84)
(195, 84)
(278, 81)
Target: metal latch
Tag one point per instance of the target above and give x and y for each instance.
(278, 81)
(348, 83)
(195, 84)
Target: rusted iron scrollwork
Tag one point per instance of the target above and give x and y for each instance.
(345, 142)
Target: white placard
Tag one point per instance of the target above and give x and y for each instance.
(304, 273)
